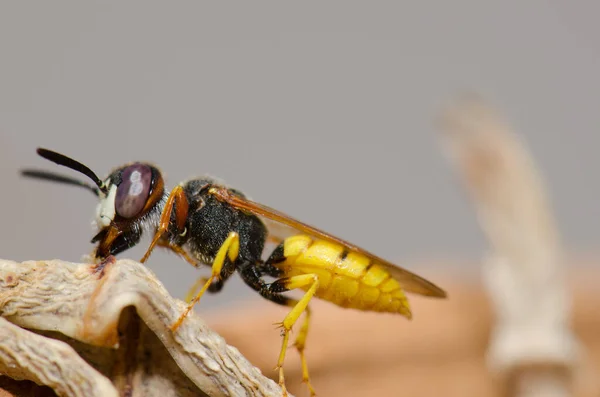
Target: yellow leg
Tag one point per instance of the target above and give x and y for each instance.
(231, 248)
(289, 321)
(194, 289)
(300, 344)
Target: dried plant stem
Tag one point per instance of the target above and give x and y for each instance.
(524, 273)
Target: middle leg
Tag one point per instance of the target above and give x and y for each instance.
(216, 285)
(228, 250)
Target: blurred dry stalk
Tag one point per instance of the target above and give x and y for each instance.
(532, 345)
(87, 330)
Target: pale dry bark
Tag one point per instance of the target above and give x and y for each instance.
(532, 344)
(104, 331)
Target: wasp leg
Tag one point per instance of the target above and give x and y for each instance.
(179, 251)
(113, 241)
(300, 345)
(229, 250)
(272, 292)
(177, 196)
(189, 296)
(288, 322)
(216, 285)
(228, 270)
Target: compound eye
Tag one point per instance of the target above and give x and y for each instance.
(133, 191)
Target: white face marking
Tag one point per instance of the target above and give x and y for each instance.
(105, 211)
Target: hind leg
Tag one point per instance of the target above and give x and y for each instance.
(300, 344)
(273, 292)
(305, 280)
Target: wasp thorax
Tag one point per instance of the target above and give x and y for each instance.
(133, 192)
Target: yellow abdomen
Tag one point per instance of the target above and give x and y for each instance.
(346, 278)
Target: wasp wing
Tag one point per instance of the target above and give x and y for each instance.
(408, 280)
(278, 232)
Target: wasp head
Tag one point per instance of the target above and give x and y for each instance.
(131, 199)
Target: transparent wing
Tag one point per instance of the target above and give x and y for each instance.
(408, 280)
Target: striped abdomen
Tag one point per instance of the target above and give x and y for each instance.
(346, 278)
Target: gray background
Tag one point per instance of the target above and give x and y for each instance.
(321, 109)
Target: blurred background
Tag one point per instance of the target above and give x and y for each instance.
(323, 110)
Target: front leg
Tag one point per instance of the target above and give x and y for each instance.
(112, 241)
(178, 199)
(230, 250)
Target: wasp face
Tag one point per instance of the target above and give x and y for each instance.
(131, 199)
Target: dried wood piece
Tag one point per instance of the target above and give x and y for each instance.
(116, 316)
(524, 273)
(26, 355)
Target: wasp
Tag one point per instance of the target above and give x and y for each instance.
(206, 222)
